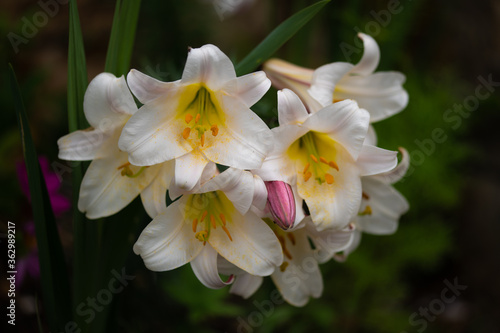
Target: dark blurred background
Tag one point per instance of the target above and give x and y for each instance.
(446, 49)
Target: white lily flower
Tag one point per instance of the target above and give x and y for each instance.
(215, 220)
(111, 182)
(381, 206)
(299, 277)
(323, 156)
(203, 117)
(380, 93)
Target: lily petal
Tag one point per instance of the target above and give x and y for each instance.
(328, 242)
(205, 268)
(82, 145)
(250, 88)
(374, 160)
(153, 197)
(168, 242)
(371, 56)
(107, 102)
(381, 93)
(301, 278)
(396, 174)
(387, 205)
(344, 122)
(246, 285)
(104, 190)
(146, 134)
(291, 110)
(210, 65)
(244, 142)
(146, 88)
(325, 79)
(254, 246)
(188, 170)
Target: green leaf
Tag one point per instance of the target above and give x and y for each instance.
(122, 37)
(54, 279)
(84, 233)
(278, 37)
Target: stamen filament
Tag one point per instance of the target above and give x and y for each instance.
(227, 233)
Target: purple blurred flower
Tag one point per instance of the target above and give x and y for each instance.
(60, 203)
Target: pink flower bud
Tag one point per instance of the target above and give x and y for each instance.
(281, 203)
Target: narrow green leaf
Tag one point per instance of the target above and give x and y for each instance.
(122, 37)
(278, 37)
(84, 233)
(54, 279)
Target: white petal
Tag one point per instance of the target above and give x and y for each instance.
(154, 196)
(107, 102)
(237, 185)
(371, 56)
(254, 247)
(188, 170)
(244, 142)
(277, 168)
(396, 174)
(381, 93)
(290, 108)
(387, 205)
(325, 79)
(208, 173)
(249, 88)
(374, 160)
(333, 205)
(344, 122)
(82, 145)
(209, 65)
(226, 268)
(146, 88)
(168, 241)
(205, 268)
(298, 79)
(104, 191)
(301, 279)
(246, 285)
(328, 242)
(371, 137)
(260, 193)
(153, 135)
(356, 240)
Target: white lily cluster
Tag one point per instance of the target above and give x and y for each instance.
(291, 197)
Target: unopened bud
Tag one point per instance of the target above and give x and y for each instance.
(281, 203)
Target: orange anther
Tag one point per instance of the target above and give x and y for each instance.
(197, 119)
(203, 216)
(365, 196)
(291, 237)
(328, 178)
(123, 166)
(334, 165)
(305, 168)
(314, 158)
(195, 224)
(186, 132)
(202, 140)
(223, 218)
(212, 220)
(215, 130)
(323, 160)
(188, 118)
(307, 176)
(227, 233)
